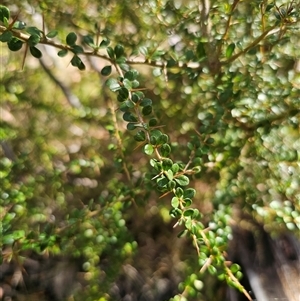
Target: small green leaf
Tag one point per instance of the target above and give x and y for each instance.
(62, 53)
(119, 51)
(147, 110)
(123, 93)
(32, 30)
(113, 84)
(128, 116)
(153, 122)
(175, 202)
(19, 25)
(148, 149)
(77, 49)
(140, 136)
(4, 13)
(35, 52)
(175, 212)
(127, 84)
(110, 52)
(153, 140)
(187, 202)
(189, 212)
(175, 168)
(161, 182)
(106, 70)
(162, 139)
(135, 84)
(6, 36)
(131, 126)
(52, 34)
(165, 150)
(171, 185)
(77, 62)
(33, 40)
(131, 74)
(167, 164)
(179, 192)
(146, 102)
(126, 106)
(230, 50)
(104, 43)
(182, 180)
(169, 174)
(14, 44)
(71, 38)
(189, 193)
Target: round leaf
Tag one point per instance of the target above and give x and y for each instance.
(147, 110)
(62, 53)
(71, 38)
(182, 180)
(148, 149)
(175, 202)
(106, 70)
(15, 44)
(165, 150)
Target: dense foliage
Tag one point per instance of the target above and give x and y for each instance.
(181, 113)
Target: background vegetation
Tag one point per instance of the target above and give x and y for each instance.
(156, 119)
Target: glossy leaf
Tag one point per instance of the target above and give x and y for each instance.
(19, 25)
(62, 53)
(229, 50)
(110, 52)
(148, 149)
(140, 136)
(113, 84)
(4, 13)
(106, 70)
(175, 202)
(131, 75)
(147, 110)
(119, 51)
(33, 40)
(104, 43)
(182, 180)
(128, 116)
(14, 44)
(71, 38)
(146, 102)
(165, 150)
(35, 52)
(52, 34)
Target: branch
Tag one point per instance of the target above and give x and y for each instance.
(136, 61)
(160, 64)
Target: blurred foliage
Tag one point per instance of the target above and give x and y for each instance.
(203, 105)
